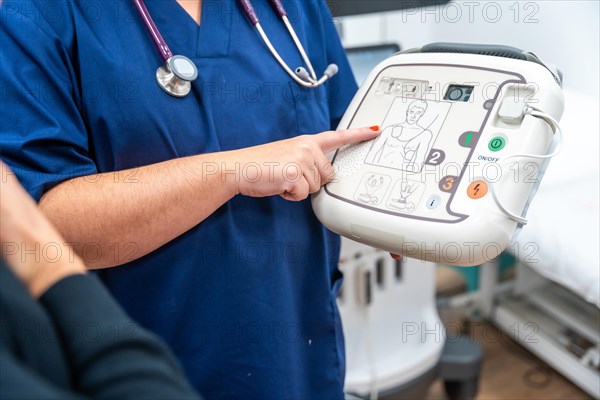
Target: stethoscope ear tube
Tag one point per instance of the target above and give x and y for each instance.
(300, 75)
(176, 75)
(279, 8)
(249, 11)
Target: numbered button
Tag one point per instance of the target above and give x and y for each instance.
(468, 139)
(435, 157)
(448, 183)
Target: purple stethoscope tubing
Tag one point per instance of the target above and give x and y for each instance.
(249, 10)
(159, 41)
(300, 75)
(251, 14)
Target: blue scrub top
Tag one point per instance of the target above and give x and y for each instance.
(246, 299)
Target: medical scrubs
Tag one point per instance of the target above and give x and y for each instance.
(246, 299)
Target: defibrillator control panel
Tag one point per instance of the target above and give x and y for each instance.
(423, 187)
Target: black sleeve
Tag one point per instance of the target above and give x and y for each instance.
(18, 381)
(111, 356)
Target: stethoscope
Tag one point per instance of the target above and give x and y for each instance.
(178, 73)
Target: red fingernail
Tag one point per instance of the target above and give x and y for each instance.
(374, 128)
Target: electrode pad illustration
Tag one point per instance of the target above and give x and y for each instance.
(409, 130)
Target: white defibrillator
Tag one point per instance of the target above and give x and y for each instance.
(467, 132)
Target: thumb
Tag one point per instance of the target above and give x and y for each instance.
(333, 140)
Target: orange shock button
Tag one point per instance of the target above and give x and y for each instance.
(477, 189)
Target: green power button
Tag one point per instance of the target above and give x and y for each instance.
(497, 143)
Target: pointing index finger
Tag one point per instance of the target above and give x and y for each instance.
(333, 140)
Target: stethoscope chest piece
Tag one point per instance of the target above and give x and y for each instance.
(176, 76)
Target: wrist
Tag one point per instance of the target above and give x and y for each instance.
(229, 172)
(51, 273)
(52, 260)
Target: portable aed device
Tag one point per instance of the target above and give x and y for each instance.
(467, 132)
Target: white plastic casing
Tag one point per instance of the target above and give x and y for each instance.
(408, 190)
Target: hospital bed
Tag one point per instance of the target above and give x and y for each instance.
(556, 293)
(552, 306)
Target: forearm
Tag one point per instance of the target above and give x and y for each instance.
(123, 361)
(124, 219)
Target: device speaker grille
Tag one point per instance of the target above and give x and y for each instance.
(482, 49)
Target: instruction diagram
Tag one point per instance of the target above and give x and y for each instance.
(409, 130)
(406, 195)
(372, 188)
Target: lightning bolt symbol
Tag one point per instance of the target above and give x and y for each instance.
(476, 189)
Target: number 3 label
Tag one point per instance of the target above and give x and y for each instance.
(447, 183)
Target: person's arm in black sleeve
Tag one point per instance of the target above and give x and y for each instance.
(18, 381)
(111, 356)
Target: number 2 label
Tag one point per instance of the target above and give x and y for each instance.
(436, 157)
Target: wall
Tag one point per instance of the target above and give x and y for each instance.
(565, 33)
